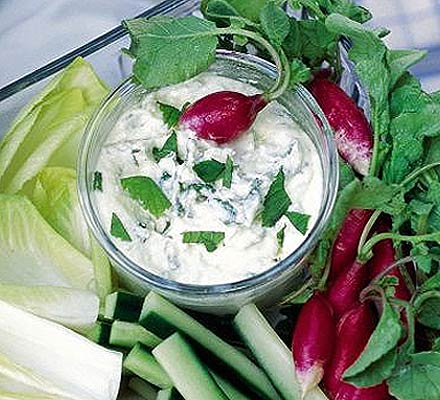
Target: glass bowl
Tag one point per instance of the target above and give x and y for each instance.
(285, 277)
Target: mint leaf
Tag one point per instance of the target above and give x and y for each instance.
(97, 181)
(299, 221)
(211, 240)
(419, 380)
(148, 193)
(276, 202)
(169, 147)
(170, 114)
(209, 171)
(280, 238)
(170, 50)
(383, 340)
(118, 230)
(275, 23)
(227, 173)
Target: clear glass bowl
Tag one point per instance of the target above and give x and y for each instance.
(287, 276)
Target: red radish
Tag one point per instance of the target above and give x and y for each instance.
(384, 257)
(345, 247)
(350, 392)
(352, 130)
(222, 116)
(345, 290)
(313, 341)
(352, 334)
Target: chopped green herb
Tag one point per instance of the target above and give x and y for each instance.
(118, 230)
(209, 239)
(280, 238)
(276, 201)
(170, 114)
(97, 181)
(299, 221)
(210, 170)
(169, 147)
(148, 193)
(227, 174)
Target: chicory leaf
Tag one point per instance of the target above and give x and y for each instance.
(56, 198)
(33, 253)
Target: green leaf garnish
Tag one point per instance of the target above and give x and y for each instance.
(97, 181)
(227, 174)
(170, 50)
(299, 221)
(211, 240)
(276, 201)
(118, 230)
(170, 114)
(210, 171)
(148, 193)
(280, 238)
(169, 147)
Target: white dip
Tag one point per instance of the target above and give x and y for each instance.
(275, 141)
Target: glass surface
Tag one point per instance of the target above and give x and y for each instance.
(289, 274)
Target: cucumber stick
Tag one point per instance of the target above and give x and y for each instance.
(123, 306)
(127, 334)
(142, 388)
(141, 363)
(271, 353)
(231, 391)
(163, 318)
(168, 394)
(100, 333)
(189, 375)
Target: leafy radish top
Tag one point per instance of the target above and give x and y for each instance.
(169, 50)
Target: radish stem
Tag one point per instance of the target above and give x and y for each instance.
(278, 56)
(367, 229)
(366, 251)
(397, 264)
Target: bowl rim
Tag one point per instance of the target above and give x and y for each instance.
(152, 280)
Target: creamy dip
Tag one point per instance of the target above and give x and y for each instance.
(274, 142)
